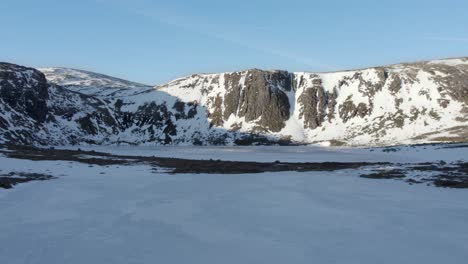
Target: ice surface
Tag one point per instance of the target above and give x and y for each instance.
(130, 215)
(313, 153)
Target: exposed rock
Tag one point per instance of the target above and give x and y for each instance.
(314, 104)
(349, 110)
(24, 90)
(260, 96)
(87, 125)
(395, 84)
(216, 115)
(453, 81)
(418, 102)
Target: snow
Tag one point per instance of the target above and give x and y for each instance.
(451, 62)
(73, 77)
(139, 214)
(92, 83)
(130, 215)
(420, 96)
(418, 103)
(311, 153)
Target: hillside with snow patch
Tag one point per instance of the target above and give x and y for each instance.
(397, 104)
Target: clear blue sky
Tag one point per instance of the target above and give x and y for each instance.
(156, 41)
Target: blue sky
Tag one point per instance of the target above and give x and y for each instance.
(156, 41)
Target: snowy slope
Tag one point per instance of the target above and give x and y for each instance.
(397, 104)
(403, 103)
(91, 83)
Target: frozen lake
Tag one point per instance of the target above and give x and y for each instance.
(290, 153)
(129, 214)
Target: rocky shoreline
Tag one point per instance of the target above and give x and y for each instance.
(439, 174)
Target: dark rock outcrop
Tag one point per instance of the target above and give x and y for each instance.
(314, 101)
(24, 90)
(261, 96)
(349, 110)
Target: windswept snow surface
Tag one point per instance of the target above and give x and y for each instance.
(131, 215)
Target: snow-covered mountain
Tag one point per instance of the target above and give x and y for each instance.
(91, 83)
(403, 103)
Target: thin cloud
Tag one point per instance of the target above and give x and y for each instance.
(214, 31)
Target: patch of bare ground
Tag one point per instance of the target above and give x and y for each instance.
(385, 174)
(7, 181)
(440, 174)
(454, 175)
(174, 164)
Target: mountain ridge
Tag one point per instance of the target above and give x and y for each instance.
(43, 69)
(397, 104)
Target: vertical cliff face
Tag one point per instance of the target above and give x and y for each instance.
(398, 103)
(24, 90)
(315, 102)
(258, 96)
(23, 102)
(381, 105)
(255, 99)
(404, 103)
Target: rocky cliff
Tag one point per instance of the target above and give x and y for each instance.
(403, 103)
